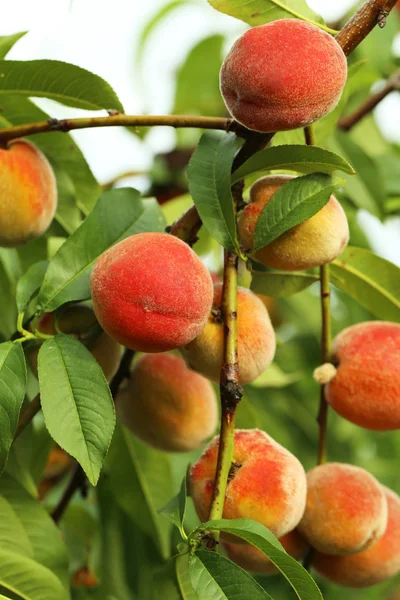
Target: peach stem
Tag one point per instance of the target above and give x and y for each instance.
(326, 351)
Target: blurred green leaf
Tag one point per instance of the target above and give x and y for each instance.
(371, 280)
(209, 175)
(303, 159)
(12, 533)
(8, 41)
(59, 81)
(76, 401)
(12, 392)
(67, 214)
(281, 283)
(10, 271)
(175, 510)
(258, 12)
(29, 284)
(274, 377)
(294, 202)
(183, 577)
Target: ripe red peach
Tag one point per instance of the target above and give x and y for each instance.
(252, 559)
(267, 483)
(151, 292)
(28, 193)
(346, 509)
(78, 321)
(283, 75)
(256, 339)
(317, 241)
(167, 405)
(376, 564)
(366, 387)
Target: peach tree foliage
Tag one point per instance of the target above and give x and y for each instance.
(130, 523)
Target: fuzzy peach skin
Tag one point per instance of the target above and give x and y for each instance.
(366, 388)
(253, 560)
(28, 193)
(268, 483)
(283, 75)
(151, 292)
(376, 564)
(346, 509)
(77, 321)
(167, 405)
(256, 339)
(317, 241)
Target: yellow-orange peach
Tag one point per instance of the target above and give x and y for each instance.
(346, 509)
(283, 75)
(77, 321)
(317, 241)
(256, 339)
(252, 559)
(151, 292)
(376, 564)
(28, 193)
(267, 483)
(366, 387)
(167, 405)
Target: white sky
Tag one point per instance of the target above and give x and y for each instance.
(101, 37)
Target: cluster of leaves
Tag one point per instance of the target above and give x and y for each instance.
(117, 531)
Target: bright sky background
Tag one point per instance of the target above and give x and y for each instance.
(102, 36)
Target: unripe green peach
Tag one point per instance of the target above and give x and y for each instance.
(77, 321)
(252, 559)
(151, 292)
(366, 387)
(317, 241)
(167, 405)
(256, 339)
(346, 509)
(283, 75)
(28, 193)
(267, 483)
(376, 564)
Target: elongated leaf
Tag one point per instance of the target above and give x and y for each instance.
(12, 392)
(12, 534)
(303, 159)
(175, 510)
(258, 12)
(281, 283)
(10, 270)
(183, 577)
(294, 202)
(261, 537)
(274, 377)
(56, 80)
(8, 41)
(209, 175)
(214, 577)
(77, 405)
(117, 214)
(371, 280)
(29, 284)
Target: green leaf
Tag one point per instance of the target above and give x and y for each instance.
(8, 41)
(209, 176)
(215, 577)
(77, 405)
(303, 159)
(12, 392)
(175, 510)
(29, 284)
(258, 12)
(12, 533)
(294, 202)
(274, 377)
(67, 214)
(281, 283)
(183, 577)
(10, 270)
(259, 536)
(371, 280)
(56, 80)
(117, 215)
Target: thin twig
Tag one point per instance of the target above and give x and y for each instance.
(326, 351)
(77, 481)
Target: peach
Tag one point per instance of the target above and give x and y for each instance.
(256, 339)
(77, 321)
(346, 509)
(28, 193)
(374, 565)
(252, 559)
(366, 387)
(315, 242)
(283, 75)
(151, 292)
(267, 483)
(167, 405)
